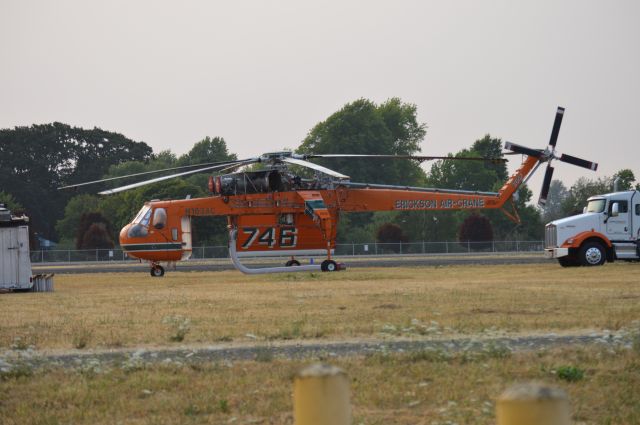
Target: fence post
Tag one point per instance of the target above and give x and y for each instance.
(446, 244)
(321, 396)
(423, 247)
(400, 247)
(533, 404)
(353, 249)
(493, 246)
(468, 245)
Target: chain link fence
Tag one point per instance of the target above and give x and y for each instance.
(349, 249)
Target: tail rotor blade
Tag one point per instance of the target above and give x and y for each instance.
(579, 162)
(546, 183)
(556, 127)
(522, 149)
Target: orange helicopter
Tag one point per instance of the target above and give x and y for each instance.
(274, 212)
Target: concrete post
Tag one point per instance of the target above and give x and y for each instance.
(533, 404)
(321, 396)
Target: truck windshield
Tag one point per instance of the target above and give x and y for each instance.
(596, 205)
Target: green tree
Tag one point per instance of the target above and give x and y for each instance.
(10, 202)
(626, 179)
(94, 232)
(362, 127)
(207, 150)
(79, 205)
(584, 188)
(37, 160)
(488, 176)
(558, 194)
(476, 230)
(471, 175)
(121, 207)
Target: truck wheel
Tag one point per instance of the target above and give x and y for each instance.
(592, 254)
(568, 261)
(292, 263)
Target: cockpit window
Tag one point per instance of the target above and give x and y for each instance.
(137, 231)
(144, 212)
(146, 218)
(159, 218)
(596, 205)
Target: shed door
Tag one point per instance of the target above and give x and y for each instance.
(8, 257)
(23, 258)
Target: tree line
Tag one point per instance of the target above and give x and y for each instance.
(36, 160)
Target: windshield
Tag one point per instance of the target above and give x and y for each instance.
(596, 205)
(143, 215)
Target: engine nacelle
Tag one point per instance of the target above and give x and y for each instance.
(248, 183)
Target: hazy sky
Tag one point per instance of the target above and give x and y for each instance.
(261, 74)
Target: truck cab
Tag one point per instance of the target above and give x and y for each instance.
(607, 230)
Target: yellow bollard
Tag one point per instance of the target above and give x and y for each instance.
(533, 404)
(321, 396)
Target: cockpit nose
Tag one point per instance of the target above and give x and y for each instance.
(133, 231)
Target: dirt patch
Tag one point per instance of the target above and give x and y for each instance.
(387, 306)
(495, 311)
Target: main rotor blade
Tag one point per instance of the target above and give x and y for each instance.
(556, 127)
(315, 167)
(415, 157)
(522, 149)
(546, 183)
(579, 162)
(171, 176)
(147, 172)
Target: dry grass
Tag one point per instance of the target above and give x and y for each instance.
(126, 310)
(393, 389)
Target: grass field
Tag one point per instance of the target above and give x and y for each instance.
(131, 310)
(417, 388)
(435, 388)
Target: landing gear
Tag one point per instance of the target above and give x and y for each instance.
(292, 263)
(157, 270)
(329, 266)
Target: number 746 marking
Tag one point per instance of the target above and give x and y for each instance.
(287, 237)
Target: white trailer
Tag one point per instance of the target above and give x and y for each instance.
(15, 261)
(607, 230)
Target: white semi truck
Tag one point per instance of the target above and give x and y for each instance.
(607, 230)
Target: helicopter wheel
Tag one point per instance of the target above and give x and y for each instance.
(292, 263)
(157, 271)
(329, 266)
